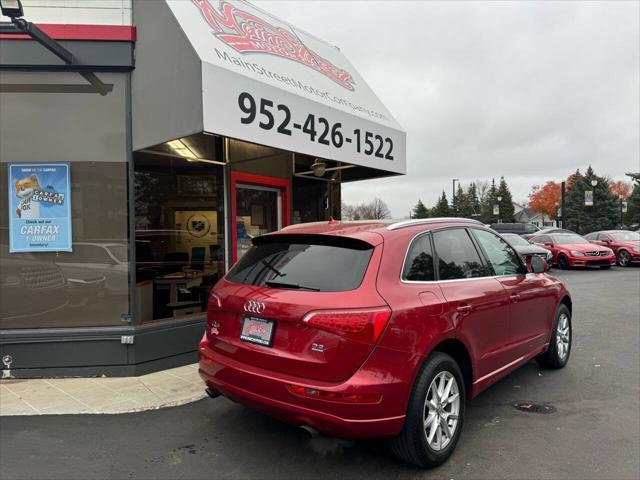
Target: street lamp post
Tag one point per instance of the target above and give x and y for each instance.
(621, 201)
(453, 189)
(497, 209)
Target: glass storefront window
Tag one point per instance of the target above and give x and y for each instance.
(42, 124)
(179, 221)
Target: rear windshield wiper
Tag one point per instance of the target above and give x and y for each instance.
(295, 286)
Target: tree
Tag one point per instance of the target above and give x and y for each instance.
(461, 205)
(473, 199)
(441, 209)
(376, 209)
(420, 211)
(507, 211)
(482, 190)
(635, 177)
(604, 214)
(348, 212)
(486, 206)
(620, 188)
(546, 198)
(633, 207)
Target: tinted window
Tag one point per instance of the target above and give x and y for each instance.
(568, 238)
(328, 265)
(626, 236)
(503, 258)
(542, 239)
(592, 236)
(419, 263)
(457, 256)
(514, 239)
(507, 227)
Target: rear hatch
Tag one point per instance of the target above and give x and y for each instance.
(304, 305)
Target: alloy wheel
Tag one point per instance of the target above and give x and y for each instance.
(563, 336)
(623, 258)
(441, 410)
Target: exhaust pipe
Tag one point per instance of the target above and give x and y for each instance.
(309, 432)
(212, 393)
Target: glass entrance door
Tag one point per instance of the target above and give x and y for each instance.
(259, 205)
(258, 211)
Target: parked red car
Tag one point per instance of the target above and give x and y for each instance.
(378, 329)
(572, 250)
(625, 244)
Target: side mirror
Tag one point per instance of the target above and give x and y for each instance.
(548, 244)
(535, 264)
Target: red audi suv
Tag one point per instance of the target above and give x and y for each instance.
(572, 250)
(625, 244)
(379, 329)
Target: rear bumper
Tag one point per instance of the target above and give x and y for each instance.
(267, 391)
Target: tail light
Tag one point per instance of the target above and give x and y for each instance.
(337, 397)
(364, 325)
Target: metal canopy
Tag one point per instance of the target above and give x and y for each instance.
(256, 79)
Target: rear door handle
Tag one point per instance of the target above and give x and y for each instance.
(514, 298)
(464, 310)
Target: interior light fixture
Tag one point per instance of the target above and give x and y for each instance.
(11, 8)
(179, 147)
(319, 167)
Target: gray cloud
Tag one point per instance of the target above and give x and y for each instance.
(528, 90)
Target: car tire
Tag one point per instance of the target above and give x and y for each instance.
(623, 258)
(557, 355)
(413, 444)
(563, 262)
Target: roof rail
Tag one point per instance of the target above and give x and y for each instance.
(420, 221)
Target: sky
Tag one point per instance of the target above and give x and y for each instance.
(528, 90)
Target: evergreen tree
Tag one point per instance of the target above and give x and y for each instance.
(507, 210)
(420, 211)
(604, 214)
(633, 203)
(464, 207)
(441, 209)
(486, 207)
(474, 201)
(633, 207)
(456, 202)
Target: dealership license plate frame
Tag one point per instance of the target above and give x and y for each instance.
(258, 338)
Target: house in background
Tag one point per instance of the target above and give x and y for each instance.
(525, 215)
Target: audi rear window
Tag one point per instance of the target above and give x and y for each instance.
(304, 262)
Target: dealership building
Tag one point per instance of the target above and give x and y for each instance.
(143, 145)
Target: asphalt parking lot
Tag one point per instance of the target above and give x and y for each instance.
(595, 432)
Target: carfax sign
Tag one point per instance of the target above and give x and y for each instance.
(39, 207)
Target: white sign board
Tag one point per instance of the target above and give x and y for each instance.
(267, 82)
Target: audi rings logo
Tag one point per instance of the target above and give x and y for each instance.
(253, 306)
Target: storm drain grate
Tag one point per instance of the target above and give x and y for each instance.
(530, 407)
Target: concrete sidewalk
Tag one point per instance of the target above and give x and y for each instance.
(101, 395)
